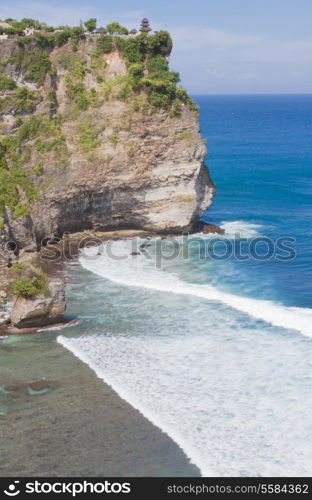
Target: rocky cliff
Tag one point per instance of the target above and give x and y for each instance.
(95, 133)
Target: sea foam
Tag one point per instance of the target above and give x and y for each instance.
(138, 271)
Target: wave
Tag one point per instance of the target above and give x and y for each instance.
(235, 230)
(60, 327)
(241, 229)
(235, 409)
(85, 349)
(138, 271)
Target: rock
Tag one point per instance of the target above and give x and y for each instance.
(163, 184)
(38, 385)
(211, 228)
(40, 310)
(135, 253)
(201, 227)
(3, 294)
(11, 388)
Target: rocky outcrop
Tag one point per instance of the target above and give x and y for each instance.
(119, 165)
(202, 227)
(40, 310)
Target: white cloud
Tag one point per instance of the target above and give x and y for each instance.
(196, 37)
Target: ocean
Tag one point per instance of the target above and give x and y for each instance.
(211, 337)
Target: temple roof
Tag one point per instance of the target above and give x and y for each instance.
(101, 30)
(145, 27)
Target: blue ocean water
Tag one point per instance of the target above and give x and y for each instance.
(217, 353)
(260, 156)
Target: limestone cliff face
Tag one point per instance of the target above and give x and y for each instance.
(106, 163)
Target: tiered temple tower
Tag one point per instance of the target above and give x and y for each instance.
(145, 27)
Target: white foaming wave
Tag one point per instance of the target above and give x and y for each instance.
(236, 229)
(81, 349)
(234, 412)
(137, 271)
(241, 228)
(60, 327)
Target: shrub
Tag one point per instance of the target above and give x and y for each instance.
(38, 169)
(35, 61)
(88, 135)
(104, 44)
(46, 41)
(28, 129)
(21, 210)
(157, 64)
(62, 37)
(29, 287)
(73, 63)
(80, 95)
(7, 83)
(25, 100)
(76, 34)
(185, 135)
(17, 267)
(133, 49)
(176, 109)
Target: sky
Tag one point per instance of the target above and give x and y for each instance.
(220, 46)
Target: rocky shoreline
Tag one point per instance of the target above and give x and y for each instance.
(20, 316)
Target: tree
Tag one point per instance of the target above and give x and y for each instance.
(160, 43)
(90, 24)
(116, 28)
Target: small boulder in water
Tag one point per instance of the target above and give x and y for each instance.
(38, 387)
(201, 227)
(11, 387)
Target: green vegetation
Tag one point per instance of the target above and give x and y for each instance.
(17, 267)
(15, 153)
(148, 71)
(7, 83)
(90, 24)
(82, 97)
(104, 44)
(98, 65)
(114, 137)
(159, 44)
(73, 63)
(32, 281)
(34, 60)
(88, 135)
(116, 28)
(185, 135)
(23, 101)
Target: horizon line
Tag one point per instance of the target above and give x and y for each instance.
(254, 94)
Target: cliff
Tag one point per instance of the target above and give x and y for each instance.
(95, 133)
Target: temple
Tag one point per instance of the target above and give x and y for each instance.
(145, 27)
